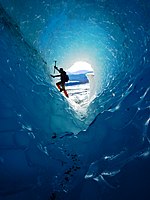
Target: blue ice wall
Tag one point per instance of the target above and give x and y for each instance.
(107, 34)
(45, 151)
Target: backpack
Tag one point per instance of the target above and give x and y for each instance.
(66, 78)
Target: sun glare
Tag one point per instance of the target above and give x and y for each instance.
(80, 65)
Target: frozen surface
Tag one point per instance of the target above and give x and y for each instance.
(47, 150)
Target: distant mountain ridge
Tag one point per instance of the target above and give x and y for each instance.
(80, 72)
(78, 77)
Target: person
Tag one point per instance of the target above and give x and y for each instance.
(64, 78)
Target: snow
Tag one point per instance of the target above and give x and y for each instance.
(79, 97)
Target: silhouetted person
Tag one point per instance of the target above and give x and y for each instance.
(64, 78)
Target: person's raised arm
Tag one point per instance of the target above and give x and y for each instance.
(55, 76)
(57, 69)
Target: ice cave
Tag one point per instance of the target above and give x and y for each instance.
(50, 150)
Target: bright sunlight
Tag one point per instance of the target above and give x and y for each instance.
(80, 65)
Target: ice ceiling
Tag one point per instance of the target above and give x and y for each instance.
(46, 150)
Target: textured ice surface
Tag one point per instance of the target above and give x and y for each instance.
(45, 151)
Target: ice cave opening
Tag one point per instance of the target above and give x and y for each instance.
(81, 85)
(80, 88)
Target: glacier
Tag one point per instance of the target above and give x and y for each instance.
(49, 150)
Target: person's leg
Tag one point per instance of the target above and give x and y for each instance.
(63, 86)
(66, 94)
(58, 85)
(63, 89)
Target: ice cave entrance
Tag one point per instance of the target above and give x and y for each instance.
(81, 84)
